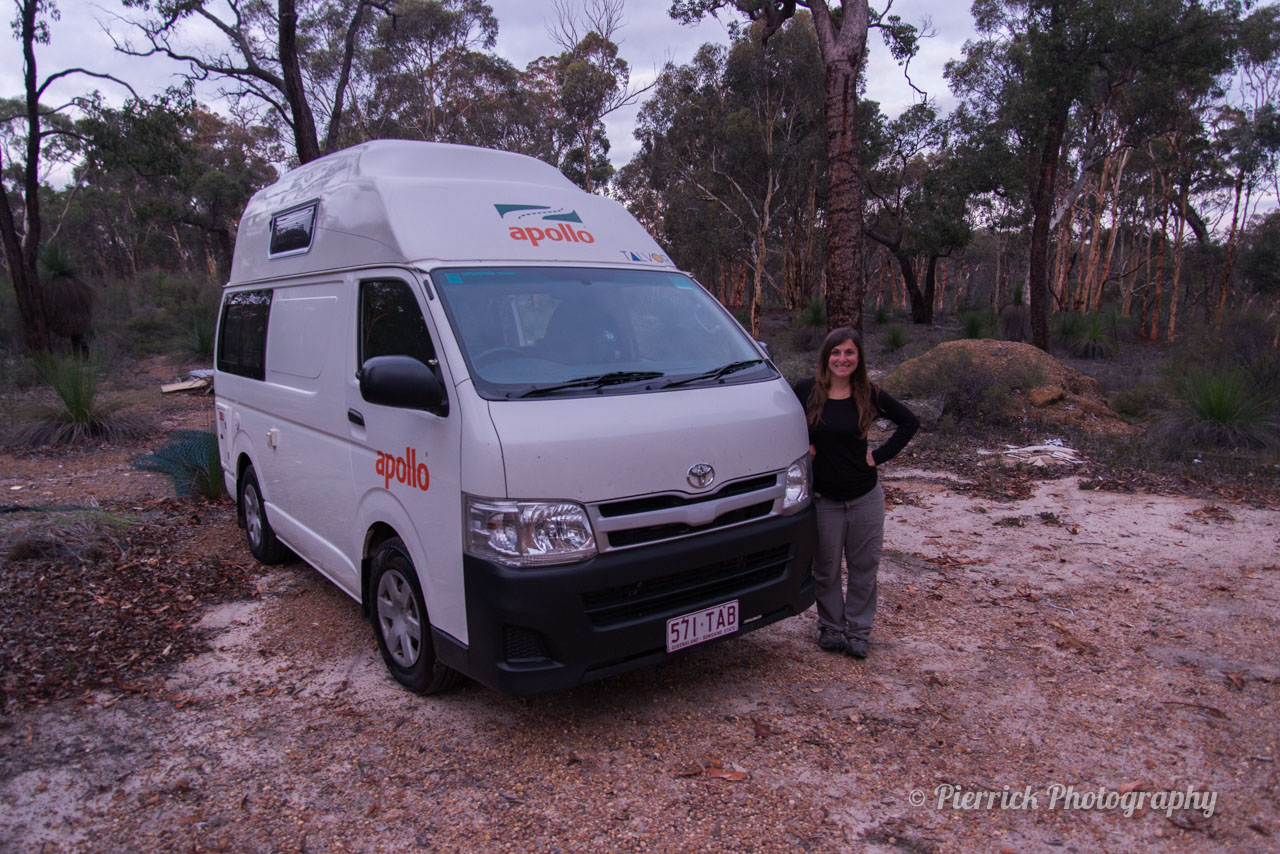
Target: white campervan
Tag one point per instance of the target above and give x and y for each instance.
(487, 406)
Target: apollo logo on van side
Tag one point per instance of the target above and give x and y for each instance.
(405, 469)
(562, 232)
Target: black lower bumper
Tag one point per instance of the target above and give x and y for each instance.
(549, 629)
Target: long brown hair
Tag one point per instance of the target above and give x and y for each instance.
(859, 384)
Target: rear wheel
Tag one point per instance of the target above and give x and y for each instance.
(401, 625)
(253, 514)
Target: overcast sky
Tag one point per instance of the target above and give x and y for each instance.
(649, 38)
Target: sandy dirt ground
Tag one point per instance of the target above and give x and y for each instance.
(1079, 670)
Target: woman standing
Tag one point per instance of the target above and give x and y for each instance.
(841, 404)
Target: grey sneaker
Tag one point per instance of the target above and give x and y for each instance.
(832, 640)
(856, 647)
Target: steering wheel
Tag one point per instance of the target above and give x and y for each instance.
(492, 353)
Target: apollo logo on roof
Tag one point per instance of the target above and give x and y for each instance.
(562, 232)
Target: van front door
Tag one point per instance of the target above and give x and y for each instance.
(406, 461)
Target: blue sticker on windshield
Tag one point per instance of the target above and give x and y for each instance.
(453, 278)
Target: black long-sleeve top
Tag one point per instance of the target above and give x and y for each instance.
(840, 470)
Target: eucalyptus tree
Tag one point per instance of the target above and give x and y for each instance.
(592, 81)
(171, 169)
(918, 189)
(1038, 63)
(734, 142)
(34, 136)
(428, 73)
(294, 60)
(842, 44)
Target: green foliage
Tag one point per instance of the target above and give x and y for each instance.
(881, 315)
(967, 390)
(81, 414)
(1092, 341)
(810, 325)
(1137, 402)
(204, 325)
(895, 337)
(1067, 328)
(191, 460)
(976, 324)
(1015, 321)
(1244, 342)
(814, 313)
(1222, 408)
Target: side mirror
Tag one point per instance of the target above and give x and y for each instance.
(402, 382)
(765, 348)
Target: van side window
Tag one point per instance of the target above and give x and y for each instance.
(242, 335)
(291, 231)
(391, 323)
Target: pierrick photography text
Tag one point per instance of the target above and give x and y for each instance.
(1064, 797)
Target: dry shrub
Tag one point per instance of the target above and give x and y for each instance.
(82, 536)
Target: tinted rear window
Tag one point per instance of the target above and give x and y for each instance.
(242, 334)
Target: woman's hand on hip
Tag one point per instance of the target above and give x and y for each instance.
(871, 460)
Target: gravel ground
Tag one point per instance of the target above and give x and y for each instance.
(1075, 638)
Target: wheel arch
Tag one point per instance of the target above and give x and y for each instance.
(377, 534)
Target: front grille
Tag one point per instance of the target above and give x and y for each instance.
(677, 593)
(666, 502)
(654, 533)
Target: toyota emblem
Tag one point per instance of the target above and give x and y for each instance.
(701, 475)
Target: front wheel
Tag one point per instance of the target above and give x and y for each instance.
(401, 625)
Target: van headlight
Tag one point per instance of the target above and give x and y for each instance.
(799, 475)
(528, 533)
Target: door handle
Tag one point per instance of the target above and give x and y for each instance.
(355, 417)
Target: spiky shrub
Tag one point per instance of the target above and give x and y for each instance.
(1221, 408)
(810, 325)
(200, 341)
(1014, 323)
(895, 337)
(814, 313)
(975, 324)
(1092, 340)
(881, 315)
(1137, 402)
(1067, 329)
(81, 413)
(190, 459)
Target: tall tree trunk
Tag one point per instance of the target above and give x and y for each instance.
(1177, 261)
(1042, 197)
(1096, 301)
(843, 52)
(1157, 280)
(21, 250)
(1089, 269)
(301, 118)
(1063, 263)
(1223, 287)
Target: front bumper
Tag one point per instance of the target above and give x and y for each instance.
(549, 629)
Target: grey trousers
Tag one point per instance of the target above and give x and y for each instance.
(854, 529)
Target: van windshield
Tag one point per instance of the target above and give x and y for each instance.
(531, 332)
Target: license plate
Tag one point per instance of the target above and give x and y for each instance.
(701, 626)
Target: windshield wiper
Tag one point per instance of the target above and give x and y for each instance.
(592, 382)
(715, 373)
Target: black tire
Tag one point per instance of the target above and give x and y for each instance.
(253, 516)
(401, 625)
